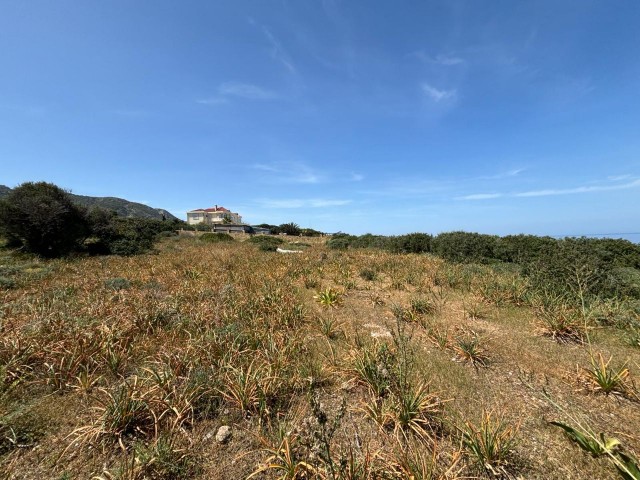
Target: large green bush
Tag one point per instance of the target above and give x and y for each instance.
(411, 243)
(41, 218)
(216, 237)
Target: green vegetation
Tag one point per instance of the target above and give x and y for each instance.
(216, 237)
(122, 207)
(43, 219)
(266, 243)
(357, 363)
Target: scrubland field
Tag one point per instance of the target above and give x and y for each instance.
(354, 364)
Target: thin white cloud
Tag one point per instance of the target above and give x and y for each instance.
(278, 53)
(508, 174)
(302, 203)
(444, 59)
(438, 95)
(582, 189)
(289, 172)
(356, 177)
(555, 191)
(480, 196)
(448, 60)
(246, 90)
(617, 178)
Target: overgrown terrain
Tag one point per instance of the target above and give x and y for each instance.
(349, 364)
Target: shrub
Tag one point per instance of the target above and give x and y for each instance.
(368, 274)
(41, 218)
(266, 243)
(411, 243)
(216, 237)
(465, 247)
(7, 283)
(340, 241)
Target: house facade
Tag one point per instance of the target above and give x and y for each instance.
(213, 216)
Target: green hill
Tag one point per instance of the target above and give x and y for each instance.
(122, 207)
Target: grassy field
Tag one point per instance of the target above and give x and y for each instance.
(325, 364)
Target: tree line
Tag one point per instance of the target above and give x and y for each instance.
(610, 267)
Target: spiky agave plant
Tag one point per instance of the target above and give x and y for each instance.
(607, 379)
(329, 297)
(491, 441)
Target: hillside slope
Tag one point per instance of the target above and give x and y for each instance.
(122, 207)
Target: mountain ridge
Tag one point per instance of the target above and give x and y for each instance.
(121, 206)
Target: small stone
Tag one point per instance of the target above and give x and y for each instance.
(223, 434)
(208, 436)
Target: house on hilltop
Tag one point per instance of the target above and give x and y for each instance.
(213, 216)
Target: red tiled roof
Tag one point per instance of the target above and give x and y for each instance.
(216, 209)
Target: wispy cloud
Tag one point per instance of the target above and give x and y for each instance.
(447, 60)
(480, 196)
(246, 90)
(356, 177)
(278, 53)
(438, 95)
(508, 174)
(289, 172)
(582, 189)
(635, 183)
(302, 203)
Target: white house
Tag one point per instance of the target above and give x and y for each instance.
(213, 216)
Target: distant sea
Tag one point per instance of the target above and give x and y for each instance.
(632, 237)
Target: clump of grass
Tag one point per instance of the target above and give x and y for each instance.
(117, 283)
(559, 320)
(633, 337)
(311, 283)
(250, 388)
(474, 310)
(124, 414)
(266, 243)
(440, 335)
(329, 327)
(469, 350)
(414, 409)
(283, 461)
(423, 306)
(490, 442)
(373, 367)
(161, 459)
(21, 428)
(7, 283)
(368, 274)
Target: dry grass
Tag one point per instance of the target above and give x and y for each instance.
(122, 367)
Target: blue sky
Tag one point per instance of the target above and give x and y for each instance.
(361, 116)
